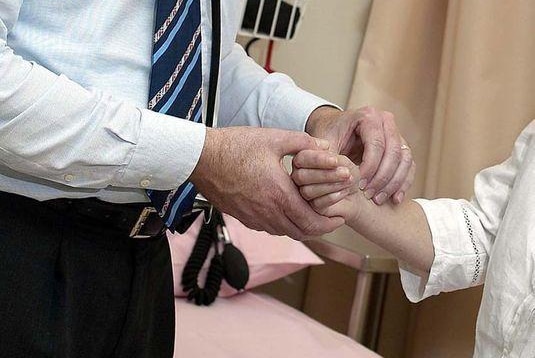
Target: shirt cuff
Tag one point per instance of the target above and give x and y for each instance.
(455, 263)
(166, 153)
(289, 108)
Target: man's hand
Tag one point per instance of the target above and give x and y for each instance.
(241, 172)
(370, 138)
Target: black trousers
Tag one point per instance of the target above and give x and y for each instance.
(73, 287)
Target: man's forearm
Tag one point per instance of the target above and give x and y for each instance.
(402, 230)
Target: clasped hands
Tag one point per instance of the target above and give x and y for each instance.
(332, 182)
(241, 172)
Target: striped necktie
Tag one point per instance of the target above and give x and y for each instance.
(176, 86)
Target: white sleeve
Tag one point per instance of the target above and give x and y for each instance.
(463, 232)
(250, 96)
(52, 128)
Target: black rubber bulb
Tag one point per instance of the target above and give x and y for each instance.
(236, 269)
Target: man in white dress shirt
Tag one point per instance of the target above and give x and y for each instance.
(79, 149)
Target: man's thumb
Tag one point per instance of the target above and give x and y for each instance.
(294, 142)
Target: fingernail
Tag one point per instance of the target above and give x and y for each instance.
(380, 198)
(369, 193)
(340, 194)
(362, 184)
(343, 172)
(322, 143)
(400, 197)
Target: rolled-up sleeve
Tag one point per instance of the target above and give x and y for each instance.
(463, 232)
(461, 247)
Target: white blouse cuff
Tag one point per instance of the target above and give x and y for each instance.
(458, 262)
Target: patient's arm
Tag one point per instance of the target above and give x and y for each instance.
(456, 237)
(400, 229)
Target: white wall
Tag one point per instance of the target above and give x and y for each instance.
(322, 56)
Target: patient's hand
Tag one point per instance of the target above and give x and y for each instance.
(319, 182)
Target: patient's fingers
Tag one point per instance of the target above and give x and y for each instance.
(325, 201)
(313, 191)
(315, 159)
(318, 176)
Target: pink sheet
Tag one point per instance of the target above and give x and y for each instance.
(252, 325)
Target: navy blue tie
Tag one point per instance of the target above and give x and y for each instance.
(176, 87)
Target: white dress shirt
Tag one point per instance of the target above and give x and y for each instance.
(489, 240)
(74, 82)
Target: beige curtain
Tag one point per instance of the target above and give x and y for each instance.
(460, 77)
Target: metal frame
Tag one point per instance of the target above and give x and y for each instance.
(373, 266)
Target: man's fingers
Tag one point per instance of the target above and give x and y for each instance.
(315, 159)
(288, 228)
(289, 142)
(397, 180)
(400, 194)
(373, 140)
(313, 191)
(306, 219)
(390, 161)
(319, 176)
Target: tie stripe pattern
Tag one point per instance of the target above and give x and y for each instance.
(176, 86)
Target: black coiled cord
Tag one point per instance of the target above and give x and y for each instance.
(207, 238)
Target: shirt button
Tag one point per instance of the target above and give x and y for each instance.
(68, 177)
(144, 183)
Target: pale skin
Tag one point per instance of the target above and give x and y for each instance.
(241, 173)
(400, 229)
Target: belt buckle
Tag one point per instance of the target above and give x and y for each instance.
(140, 223)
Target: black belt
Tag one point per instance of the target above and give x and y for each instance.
(138, 220)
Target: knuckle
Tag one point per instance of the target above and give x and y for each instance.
(277, 140)
(297, 176)
(396, 153)
(326, 160)
(388, 116)
(378, 144)
(298, 161)
(323, 211)
(306, 138)
(365, 109)
(315, 204)
(407, 159)
(300, 138)
(395, 184)
(382, 180)
(306, 192)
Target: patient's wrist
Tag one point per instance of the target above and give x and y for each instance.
(367, 213)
